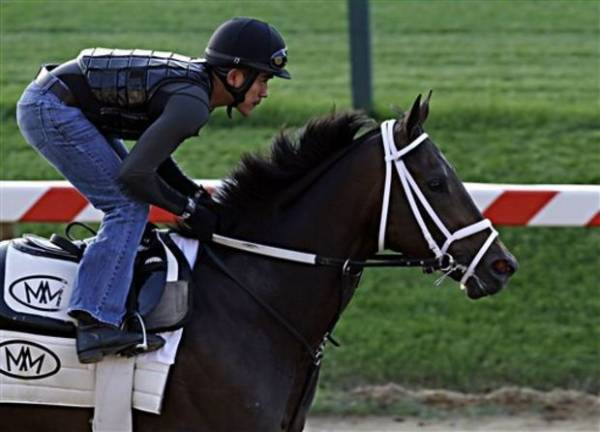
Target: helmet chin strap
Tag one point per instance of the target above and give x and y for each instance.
(238, 93)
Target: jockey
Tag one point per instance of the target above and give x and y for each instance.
(77, 114)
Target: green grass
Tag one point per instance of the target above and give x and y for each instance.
(541, 332)
(516, 100)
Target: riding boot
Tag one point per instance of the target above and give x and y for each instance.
(96, 340)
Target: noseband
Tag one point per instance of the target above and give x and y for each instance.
(411, 189)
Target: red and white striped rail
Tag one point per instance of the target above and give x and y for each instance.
(524, 205)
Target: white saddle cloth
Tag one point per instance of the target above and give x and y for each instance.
(44, 370)
(37, 369)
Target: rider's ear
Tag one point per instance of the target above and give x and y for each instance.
(235, 77)
(414, 117)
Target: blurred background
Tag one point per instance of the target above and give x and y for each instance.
(516, 100)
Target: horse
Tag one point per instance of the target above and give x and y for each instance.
(250, 356)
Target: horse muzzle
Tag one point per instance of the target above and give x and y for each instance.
(492, 275)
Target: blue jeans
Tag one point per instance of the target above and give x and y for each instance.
(91, 162)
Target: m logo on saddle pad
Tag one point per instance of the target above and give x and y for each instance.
(27, 360)
(39, 292)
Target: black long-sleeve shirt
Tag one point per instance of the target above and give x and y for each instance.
(149, 173)
(181, 111)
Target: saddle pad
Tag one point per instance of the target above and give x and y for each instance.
(37, 285)
(43, 285)
(36, 369)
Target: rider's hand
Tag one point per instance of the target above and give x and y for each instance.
(198, 217)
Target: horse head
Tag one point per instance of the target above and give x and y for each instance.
(431, 212)
(326, 191)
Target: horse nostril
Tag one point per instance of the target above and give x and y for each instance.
(503, 267)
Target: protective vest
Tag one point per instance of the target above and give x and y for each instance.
(124, 81)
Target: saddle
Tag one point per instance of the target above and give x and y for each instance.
(38, 277)
(38, 361)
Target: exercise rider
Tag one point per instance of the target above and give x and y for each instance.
(77, 114)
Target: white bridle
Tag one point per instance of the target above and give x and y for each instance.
(392, 154)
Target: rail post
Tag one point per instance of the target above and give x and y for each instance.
(360, 54)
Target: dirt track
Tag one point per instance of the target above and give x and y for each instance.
(520, 423)
(514, 409)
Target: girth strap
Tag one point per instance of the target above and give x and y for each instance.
(113, 395)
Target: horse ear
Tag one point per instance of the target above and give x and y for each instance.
(413, 119)
(425, 109)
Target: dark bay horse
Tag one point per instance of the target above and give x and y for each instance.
(249, 358)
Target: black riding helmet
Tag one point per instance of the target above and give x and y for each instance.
(246, 42)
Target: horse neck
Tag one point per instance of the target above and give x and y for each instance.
(342, 210)
(337, 216)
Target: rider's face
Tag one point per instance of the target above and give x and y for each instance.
(258, 91)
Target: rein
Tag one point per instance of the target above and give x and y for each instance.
(388, 260)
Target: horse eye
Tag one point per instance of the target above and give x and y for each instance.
(436, 185)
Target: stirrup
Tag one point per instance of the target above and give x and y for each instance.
(143, 345)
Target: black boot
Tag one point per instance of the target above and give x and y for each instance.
(95, 340)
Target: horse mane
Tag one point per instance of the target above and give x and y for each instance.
(259, 179)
